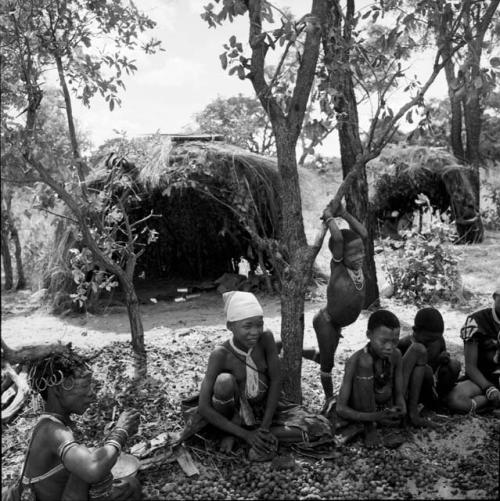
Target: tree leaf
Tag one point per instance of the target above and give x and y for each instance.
(223, 60)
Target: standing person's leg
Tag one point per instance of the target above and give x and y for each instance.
(363, 396)
(328, 339)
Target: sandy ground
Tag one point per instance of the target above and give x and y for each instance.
(198, 323)
(25, 322)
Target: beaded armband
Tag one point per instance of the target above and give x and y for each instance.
(490, 392)
(63, 449)
(117, 439)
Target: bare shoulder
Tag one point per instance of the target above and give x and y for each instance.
(353, 360)
(396, 356)
(218, 355)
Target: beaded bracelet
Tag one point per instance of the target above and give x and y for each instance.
(123, 430)
(117, 439)
(114, 444)
(490, 391)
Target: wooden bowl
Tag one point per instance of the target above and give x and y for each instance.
(126, 466)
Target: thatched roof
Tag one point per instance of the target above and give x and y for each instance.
(206, 192)
(436, 173)
(416, 169)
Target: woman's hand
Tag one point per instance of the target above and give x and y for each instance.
(129, 421)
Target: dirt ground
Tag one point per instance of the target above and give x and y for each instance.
(179, 337)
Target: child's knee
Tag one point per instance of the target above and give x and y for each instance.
(224, 386)
(420, 352)
(319, 319)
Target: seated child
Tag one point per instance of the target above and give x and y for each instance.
(58, 467)
(429, 373)
(480, 388)
(241, 391)
(372, 388)
(345, 295)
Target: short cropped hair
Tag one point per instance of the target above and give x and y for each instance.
(428, 319)
(348, 235)
(383, 318)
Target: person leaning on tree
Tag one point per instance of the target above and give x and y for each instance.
(345, 295)
(480, 388)
(57, 467)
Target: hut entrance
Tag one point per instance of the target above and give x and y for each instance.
(198, 240)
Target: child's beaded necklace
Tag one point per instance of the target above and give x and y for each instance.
(357, 277)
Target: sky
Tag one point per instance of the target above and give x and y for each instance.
(170, 87)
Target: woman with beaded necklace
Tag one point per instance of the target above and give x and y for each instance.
(56, 466)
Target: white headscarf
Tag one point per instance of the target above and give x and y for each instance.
(240, 305)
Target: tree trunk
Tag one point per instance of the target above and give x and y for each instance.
(340, 78)
(21, 280)
(297, 271)
(456, 142)
(136, 327)
(463, 205)
(7, 261)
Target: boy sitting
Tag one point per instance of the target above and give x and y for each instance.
(241, 391)
(372, 388)
(345, 295)
(429, 373)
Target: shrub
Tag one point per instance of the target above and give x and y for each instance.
(423, 267)
(490, 202)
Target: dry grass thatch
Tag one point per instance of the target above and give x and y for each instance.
(416, 169)
(206, 194)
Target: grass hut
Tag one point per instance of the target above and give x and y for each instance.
(211, 201)
(435, 173)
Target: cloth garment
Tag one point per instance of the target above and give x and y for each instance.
(240, 305)
(483, 327)
(314, 427)
(252, 373)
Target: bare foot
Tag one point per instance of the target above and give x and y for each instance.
(226, 444)
(420, 422)
(372, 437)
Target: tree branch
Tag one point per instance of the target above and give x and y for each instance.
(259, 50)
(307, 68)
